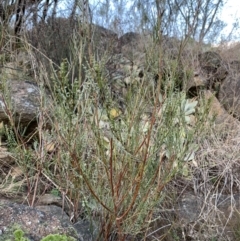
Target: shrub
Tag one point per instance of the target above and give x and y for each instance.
(111, 160)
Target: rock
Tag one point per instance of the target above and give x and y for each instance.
(57, 39)
(229, 95)
(216, 112)
(132, 46)
(6, 157)
(17, 67)
(129, 38)
(21, 102)
(213, 68)
(88, 230)
(35, 223)
(234, 67)
(104, 41)
(224, 216)
(195, 84)
(210, 61)
(48, 198)
(170, 47)
(189, 208)
(222, 72)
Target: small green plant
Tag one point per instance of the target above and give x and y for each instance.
(55, 192)
(57, 237)
(19, 236)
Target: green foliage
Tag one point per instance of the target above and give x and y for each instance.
(101, 146)
(57, 237)
(11, 137)
(65, 91)
(19, 235)
(55, 192)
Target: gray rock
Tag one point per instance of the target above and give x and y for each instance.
(20, 100)
(104, 41)
(195, 84)
(229, 94)
(35, 223)
(234, 67)
(210, 60)
(224, 214)
(56, 38)
(217, 113)
(88, 230)
(213, 68)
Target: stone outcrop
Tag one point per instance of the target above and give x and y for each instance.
(224, 218)
(213, 68)
(234, 67)
(68, 36)
(35, 222)
(222, 77)
(229, 94)
(217, 113)
(21, 103)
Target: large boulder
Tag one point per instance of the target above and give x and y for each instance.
(213, 68)
(60, 37)
(234, 67)
(229, 94)
(193, 208)
(195, 84)
(222, 119)
(104, 41)
(133, 46)
(18, 66)
(210, 61)
(35, 222)
(20, 103)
